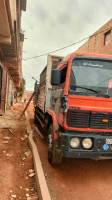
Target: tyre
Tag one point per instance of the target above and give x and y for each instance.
(54, 155)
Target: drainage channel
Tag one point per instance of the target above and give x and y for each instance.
(40, 178)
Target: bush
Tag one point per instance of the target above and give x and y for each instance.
(22, 88)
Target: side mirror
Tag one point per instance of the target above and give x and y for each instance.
(55, 77)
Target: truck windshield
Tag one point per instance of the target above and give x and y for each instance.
(91, 78)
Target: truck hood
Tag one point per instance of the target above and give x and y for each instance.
(89, 103)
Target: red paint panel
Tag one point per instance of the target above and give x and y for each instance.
(90, 103)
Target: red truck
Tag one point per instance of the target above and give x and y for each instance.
(74, 105)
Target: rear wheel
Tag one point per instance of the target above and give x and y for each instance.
(54, 154)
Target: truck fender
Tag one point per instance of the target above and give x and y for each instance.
(55, 123)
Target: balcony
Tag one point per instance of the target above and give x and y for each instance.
(5, 35)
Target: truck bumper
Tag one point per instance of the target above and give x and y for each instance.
(97, 151)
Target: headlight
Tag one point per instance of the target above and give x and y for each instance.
(74, 142)
(87, 143)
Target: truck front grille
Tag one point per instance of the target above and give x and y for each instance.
(96, 120)
(110, 121)
(89, 119)
(78, 118)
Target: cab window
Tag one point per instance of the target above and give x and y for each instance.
(63, 77)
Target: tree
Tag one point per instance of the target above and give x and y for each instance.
(22, 88)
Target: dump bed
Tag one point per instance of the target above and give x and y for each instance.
(45, 87)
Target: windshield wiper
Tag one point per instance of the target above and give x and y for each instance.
(87, 89)
(95, 91)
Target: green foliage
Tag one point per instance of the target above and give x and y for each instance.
(22, 88)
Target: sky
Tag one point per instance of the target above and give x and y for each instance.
(52, 24)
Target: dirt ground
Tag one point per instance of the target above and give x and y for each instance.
(75, 179)
(16, 163)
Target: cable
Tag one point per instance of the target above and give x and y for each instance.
(55, 50)
(102, 81)
(65, 46)
(27, 76)
(29, 81)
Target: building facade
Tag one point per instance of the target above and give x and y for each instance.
(27, 95)
(100, 41)
(11, 44)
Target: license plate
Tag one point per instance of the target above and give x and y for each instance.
(108, 141)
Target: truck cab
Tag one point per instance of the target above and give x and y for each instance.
(81, 102)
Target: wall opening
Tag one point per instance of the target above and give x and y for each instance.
(107, 37)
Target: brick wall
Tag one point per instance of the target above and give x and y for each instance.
(95, 44)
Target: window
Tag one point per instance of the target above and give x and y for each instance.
(107, 37)
(63, 76)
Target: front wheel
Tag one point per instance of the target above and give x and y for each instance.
(54, 153)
